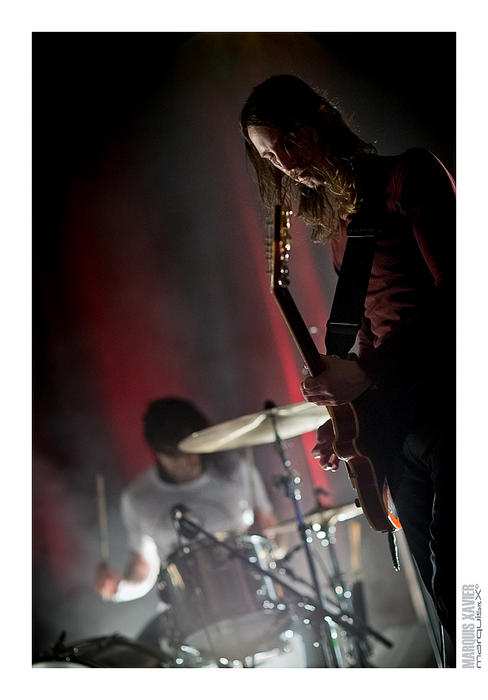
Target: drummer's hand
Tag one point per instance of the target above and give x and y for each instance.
(323, 449)
(106, 580)
(341, 381)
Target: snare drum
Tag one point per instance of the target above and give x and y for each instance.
(223, 606)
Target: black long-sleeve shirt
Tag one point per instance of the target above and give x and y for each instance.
(408, 330)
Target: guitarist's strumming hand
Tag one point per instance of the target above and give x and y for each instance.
(323, 449)
(342, 381)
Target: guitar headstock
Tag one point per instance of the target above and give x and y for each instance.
(281, 248)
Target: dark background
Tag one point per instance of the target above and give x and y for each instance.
(149, 273)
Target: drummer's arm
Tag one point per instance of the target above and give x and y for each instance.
(140, 575)
(107, 582)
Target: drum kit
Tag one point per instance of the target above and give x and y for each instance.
(230, 601)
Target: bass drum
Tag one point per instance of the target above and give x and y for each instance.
(114, 651)
(222, 606)
(298, 646)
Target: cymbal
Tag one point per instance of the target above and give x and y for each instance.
(257, 428)
(324, 516)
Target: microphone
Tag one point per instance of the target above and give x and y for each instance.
(185, 521)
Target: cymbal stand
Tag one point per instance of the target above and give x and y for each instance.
(290, 480)
(358, 644)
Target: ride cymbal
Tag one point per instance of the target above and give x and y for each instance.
(257, 428)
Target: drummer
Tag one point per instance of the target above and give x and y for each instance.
(223, 490)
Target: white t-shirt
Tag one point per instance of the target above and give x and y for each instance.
(220, 502)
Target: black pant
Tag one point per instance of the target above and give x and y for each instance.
(423, 486)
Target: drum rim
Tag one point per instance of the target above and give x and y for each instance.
(74, 651)
(204, 543)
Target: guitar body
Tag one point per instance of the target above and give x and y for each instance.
(366, 477)
(357, 440)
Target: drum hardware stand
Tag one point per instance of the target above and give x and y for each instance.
(182, 514)
(359, 620)
(299, 579)
(359, 644)
(58, 648)
(290, 480)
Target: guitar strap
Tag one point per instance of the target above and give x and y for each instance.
(348, 303)
(364, 229)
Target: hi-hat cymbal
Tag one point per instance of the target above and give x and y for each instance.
(257, 428)
(324, 516)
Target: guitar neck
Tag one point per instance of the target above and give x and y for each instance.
(298, 330)
(345, 422)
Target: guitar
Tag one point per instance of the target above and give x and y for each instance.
(351, 443)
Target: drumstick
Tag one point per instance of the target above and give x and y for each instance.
(102, 518)
(252, 465)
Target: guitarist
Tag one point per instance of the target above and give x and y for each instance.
(307, 159)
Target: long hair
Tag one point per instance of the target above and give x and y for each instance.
(285, 102)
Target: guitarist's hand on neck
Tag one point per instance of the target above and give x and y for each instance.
(342, 381)
(324, 449)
